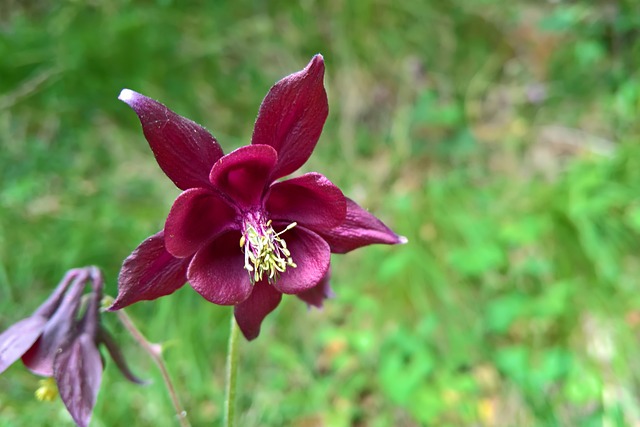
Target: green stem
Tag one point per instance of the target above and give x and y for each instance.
(232, 371)
(155, 352)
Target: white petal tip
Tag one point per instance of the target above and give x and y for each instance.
(126, 95)
(402, 240)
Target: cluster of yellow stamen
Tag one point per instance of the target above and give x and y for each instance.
(265, 252)
(48, 391)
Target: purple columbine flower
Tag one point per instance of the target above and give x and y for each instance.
(237, 234)
(56, 342)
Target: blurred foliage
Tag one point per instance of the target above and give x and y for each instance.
(499, 137)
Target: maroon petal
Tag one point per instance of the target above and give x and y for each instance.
(292, 115)
(217, 271)
(250, 313)
(311, 200)
(196, 217)
(78, 373)
(57, 332)
(184, 150)
(243, 174)
(311, 254)
(315, 296)
(149, 273)
(359, 229)
(16, 340)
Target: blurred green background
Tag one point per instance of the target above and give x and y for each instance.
(500, 137)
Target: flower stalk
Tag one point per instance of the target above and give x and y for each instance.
(231, 375)
(155, 352)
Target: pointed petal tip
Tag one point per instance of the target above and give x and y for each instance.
(127, 95)
(117, 304)
(112, 307)
(402, 240)
(316, 65)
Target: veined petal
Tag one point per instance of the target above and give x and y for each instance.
(315, 296)
(51, 304)
(184, 150)
(20, 337)
(57, 331)
(311, 200)
(149, 273)
(359, 229)
(217, 271)
(249, 314)
(16, 340)
(244, 173)
(197, 216)
(312, 257)
(292, 115)
(78, 374)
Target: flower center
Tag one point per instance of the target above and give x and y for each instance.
(265, 252)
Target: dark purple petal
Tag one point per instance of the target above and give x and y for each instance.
(57, 331)
(311, 200)
(149, 273)
(105, 338)
(78, 373)
(359, 229)
(311, 254)
(16, 340)
(292, 115)
(184, 150)
(315, 296)
(51, 304)
(244, 173)
(217, 271)
(250, 313)
(197, 216)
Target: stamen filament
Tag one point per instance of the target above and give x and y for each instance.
(265, 252)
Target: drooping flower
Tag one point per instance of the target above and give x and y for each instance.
(56, 342)
(238, 234)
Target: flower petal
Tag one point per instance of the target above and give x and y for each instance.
(316, 295)
(57, 332)
(359, 229)
(20, 337)
(250, 313)
(311, 200)
(78, 374)
(312, 257)
(51, 304)
(16, 340)
(184, 150)
(217, 271)
(197, 216)
(149, 273)
(292, 115)
(104, 337)
(244, 173)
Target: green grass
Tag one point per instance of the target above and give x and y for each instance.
(515, 301)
